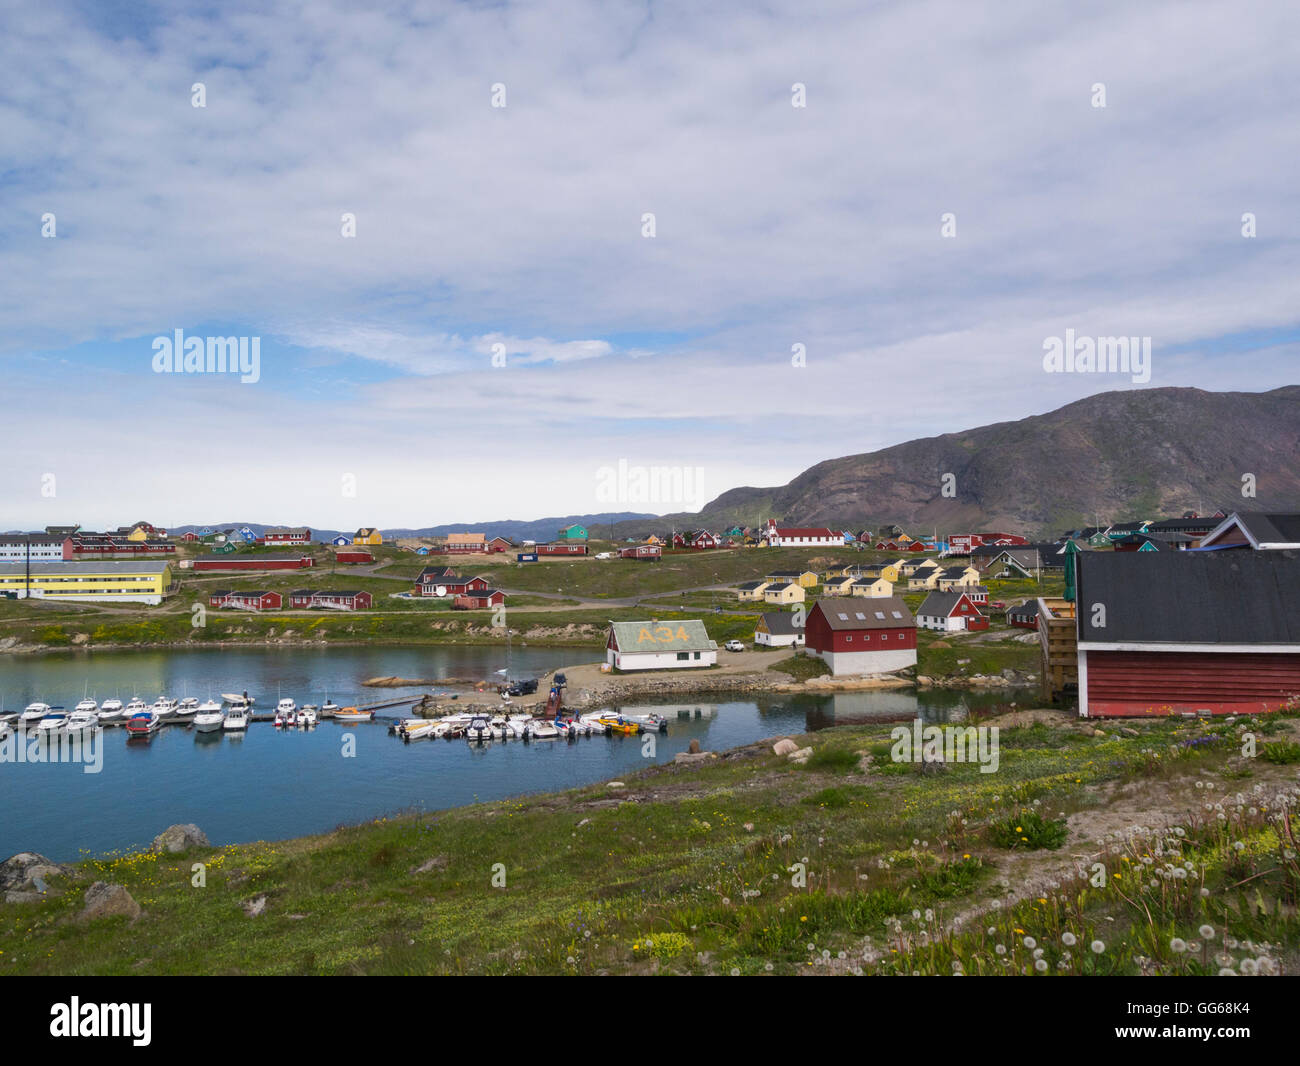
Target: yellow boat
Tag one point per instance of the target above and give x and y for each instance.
(621, 725)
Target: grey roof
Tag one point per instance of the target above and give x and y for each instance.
(750, 586)
(1028, 609)
(941, 603)
(1191, 597)
(781, 623)
(1280, 528)
(883, 612)
(632, 636)
(778, 586)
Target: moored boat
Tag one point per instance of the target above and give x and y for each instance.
(351, 714)
(143, 724)
(236, 718)
(479, 729)
(85, 706)
(208, 718)
(82, 722)
(54, 722)
(111, 712)
(33, 713)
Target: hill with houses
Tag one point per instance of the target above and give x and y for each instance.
(1105, 458)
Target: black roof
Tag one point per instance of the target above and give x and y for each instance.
(1271, 528)
(1184, 525)
(940, 603)
(1028, 609)
(1191, 597)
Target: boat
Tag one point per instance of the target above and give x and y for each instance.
(479, 729)
(232, 697)
(286, 712)
(86, 706)
(285, 706)
(209, 718)
(33, 713)
(236, 718)
(541, 729)
(307, 715)
(618, 724)
(54, 722)
(594, 724)
(111, 712)
(517, 725)
(352, 714)
(184, 713)
(189, 703)
(136, 706)
(164, 707)
(416, 729)
(329, 709)
(144, 724)
(82, 722)
(652, 722)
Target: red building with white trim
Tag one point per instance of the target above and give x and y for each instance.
(862, 636)
(643, 552)
(256, 562)
(329, 599)
(246, 601)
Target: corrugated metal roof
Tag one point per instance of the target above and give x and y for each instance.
(651, 636)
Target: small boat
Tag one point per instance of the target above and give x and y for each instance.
(111, 712)
(208, 717)
(479, 729)
(185, 713)
(111, 704)
(82, 722)
(329, 709)
(136, 706)
(86, 706)
(654, 723)
(306, 715)
(517, 725)
(189, 703)
(594, 724)
(164, 708)
(541, 729)
(286, 712)
(54, 722)
(33, 713)
(231, 697)
(416, 729)
(351, 714)
(144, 724)
(236, 718)
(285, 705)
(619, 724)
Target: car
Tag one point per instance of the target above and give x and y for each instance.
(998, 605)
(734, 645)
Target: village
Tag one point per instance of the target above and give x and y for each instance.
(890, 606)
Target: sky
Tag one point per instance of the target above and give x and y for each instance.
(867, 221)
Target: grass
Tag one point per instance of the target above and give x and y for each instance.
(801, 667)
(749, 864)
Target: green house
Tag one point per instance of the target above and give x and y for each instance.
(573, 533)
(223, 549)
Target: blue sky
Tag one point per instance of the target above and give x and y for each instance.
(522, 226)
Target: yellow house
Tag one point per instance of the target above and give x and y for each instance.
(652, 539)
(957, 577)
(837, 586)
(751, 590)
(910, 566)
(367, 535)
(873, 587)
(783, 592)
(133, 580)
(804, 578)
(138, 534)
(925, 578)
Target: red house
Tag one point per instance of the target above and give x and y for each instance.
(499, 544)
(245, 601)
(255, 562)
(291, 535)
(644, 552)
(429, 584)
(1187, 633)
(469, 601)
(962, 543)
(352, 557)
(190, 537)
(867, 636)
(950, 612)
(563, 548)
(329, 599)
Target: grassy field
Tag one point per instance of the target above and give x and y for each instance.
(1161, 852)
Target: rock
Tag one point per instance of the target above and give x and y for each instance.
(697, 756)
(438, 862)
(176, 838)
(1130, 732)
(255, 906)
(801, 755)
(616, 784)
(13, 896)
(27, 872)
(1098, 733)
(694, 749)
(784, 747)
(104, 900)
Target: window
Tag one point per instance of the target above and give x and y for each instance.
(683, 656)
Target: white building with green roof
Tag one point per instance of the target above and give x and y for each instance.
(656, 645)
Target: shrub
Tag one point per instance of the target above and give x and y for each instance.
(1281, 752)
(833, 760)
(1028, 830)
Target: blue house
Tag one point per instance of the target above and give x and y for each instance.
(849, 538)
(248, 535)
(341, 540)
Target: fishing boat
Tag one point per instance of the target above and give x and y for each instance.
(351, 714)
(144, 724)
(33, 713)
(54, 722)
(82, 722)
(208, 718)
(236, 718)
(479, 729)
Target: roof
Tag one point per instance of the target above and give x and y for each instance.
(1191, 597)
(325, 592)
(1262, 528)
(749, 586)
(941, 603)
(1028, 609)
(105, 566)
(805, 531)
(1184, 525)
(37, 539)
(655, 636)
(779, 586)
(282, 530)
(781, 623)
(885, 612)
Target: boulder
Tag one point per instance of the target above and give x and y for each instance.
(784, 747)
(616, 784)
(27, 872)
(697, 756)
(104, 900)
(176, 838)
(438, 862)
(255, 906)
(801, 755)
(695, 747)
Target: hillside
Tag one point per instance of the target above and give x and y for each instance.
(1115, 455)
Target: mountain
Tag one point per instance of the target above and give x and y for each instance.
(1116, 455)
(516, 529)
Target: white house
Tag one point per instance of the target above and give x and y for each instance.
(950, 612)
(777, 629)
(655, 645)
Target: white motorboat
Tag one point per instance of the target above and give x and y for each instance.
(236, 718)
(189, 703)
(231, 697)
(186, 714)
(654, 723)
(143, 724)
(82, 722)
(285, 706)
(479, 729)
(111, 704)
(541, 729)
(307, 715)
(86, 706)
(164, 707)
(111, 712)
(328, 709)
(54, 722)
(417, 729)
(33, 713)
(594, 724)
(208, 717)
(136, 706)
(517, 725)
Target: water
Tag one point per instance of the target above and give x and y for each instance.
(270, 784)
